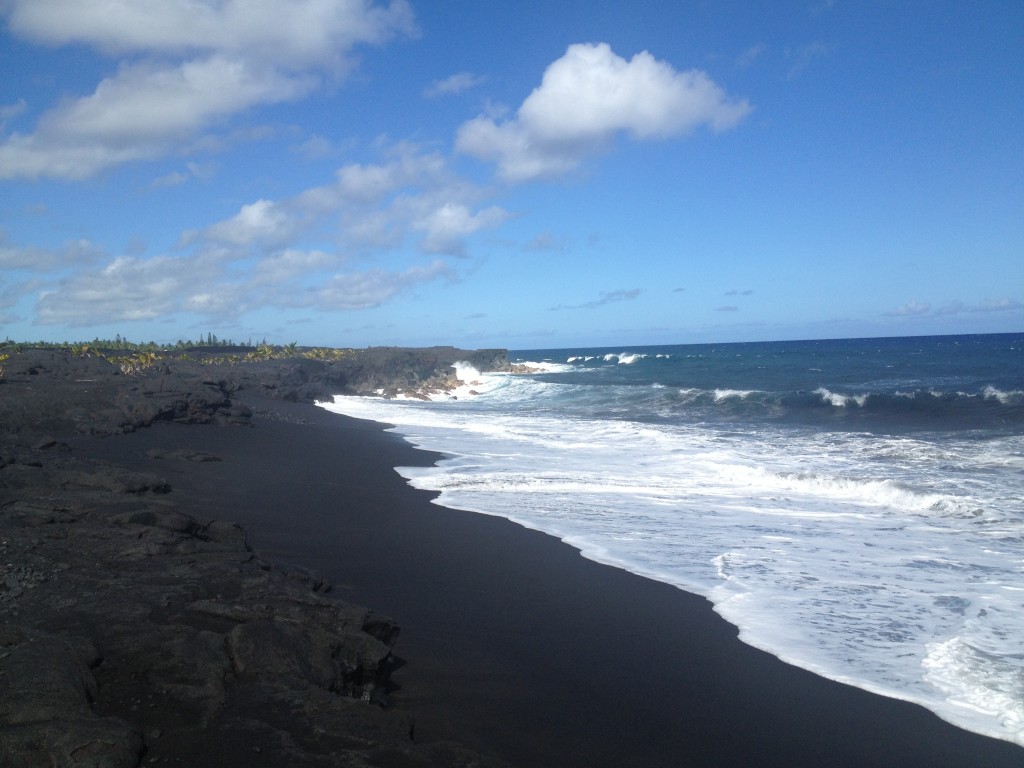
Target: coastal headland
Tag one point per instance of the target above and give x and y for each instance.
(187, 544)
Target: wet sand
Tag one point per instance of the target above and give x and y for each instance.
(514, 644)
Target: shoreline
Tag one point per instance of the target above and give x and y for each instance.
(518, 646)
(513, 648)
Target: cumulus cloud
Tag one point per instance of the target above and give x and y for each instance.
(588, 97)
(411, 194)
(256, 257)
(260, 222)
(187, 67)
(463, 81)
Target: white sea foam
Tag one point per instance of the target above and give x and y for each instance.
(726, 394)
(548, 366)
(1005, 398)
(838, 400)
(624, 358)
(890, 563)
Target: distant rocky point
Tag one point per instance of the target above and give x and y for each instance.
(97, 391)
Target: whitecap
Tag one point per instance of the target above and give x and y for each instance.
(839, 400)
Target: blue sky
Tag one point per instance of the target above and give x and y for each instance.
(524, 175)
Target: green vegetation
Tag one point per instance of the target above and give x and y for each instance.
(139, 357)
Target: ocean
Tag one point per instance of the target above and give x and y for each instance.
(855, 507)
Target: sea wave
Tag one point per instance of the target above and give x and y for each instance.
(624, 358)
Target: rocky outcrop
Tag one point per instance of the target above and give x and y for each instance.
(392, 371)
(47, 390)
(46, 715)
(132, 633)
(126, 625)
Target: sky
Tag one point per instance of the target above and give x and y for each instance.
(525, 175)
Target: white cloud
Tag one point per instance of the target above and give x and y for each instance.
(291, 33)
(457, 83)
(924, 309)
(35, 259)
(194, 64)
(172, 179)
(362, 290)
(584, 100)
(177, 178)
(411, 194)
(446, 226)
(912, 307)
(606, 297)
(291, 263)
(752, 54)
(805, 56)
(314, 148)
(140, 113)
(11, 111)
(261, 222)
(261, 256)
(1004, 304)
(545, 241)
(125, 289)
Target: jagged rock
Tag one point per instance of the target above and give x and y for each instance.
(128, 627)
(46, 695)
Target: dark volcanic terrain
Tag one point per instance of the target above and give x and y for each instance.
(132, 633)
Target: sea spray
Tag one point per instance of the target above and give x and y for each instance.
(852, 506)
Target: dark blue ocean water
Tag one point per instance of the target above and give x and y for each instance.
(938, 383)
(855, 507)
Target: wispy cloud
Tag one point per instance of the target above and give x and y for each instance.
(463, 81)
(751, 55)
(11, 111)
(545, 241)
(74, 253)
(916, 308)
(804, 56)
(605, 298)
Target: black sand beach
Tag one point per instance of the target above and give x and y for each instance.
(515, 647)
(515, 644)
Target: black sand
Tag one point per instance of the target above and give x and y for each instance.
(516, 645)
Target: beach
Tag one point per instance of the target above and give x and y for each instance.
(511, 644)
(517, 646)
